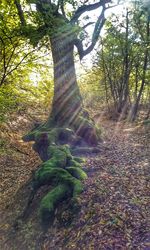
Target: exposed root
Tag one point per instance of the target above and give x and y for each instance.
(77, 173)
(56, 147)
(50, 201)
(86, 129)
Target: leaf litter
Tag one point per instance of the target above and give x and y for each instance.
(114, 207)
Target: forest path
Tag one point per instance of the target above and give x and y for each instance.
(114, 205)
(115, 210)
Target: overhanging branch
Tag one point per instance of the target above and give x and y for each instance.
(61, 6)
(20, 12)
(97, 29)
(88, 7)
(88, 24)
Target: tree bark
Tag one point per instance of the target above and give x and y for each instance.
(67, 101)
(124, 95)
(67, 107)
(134, 109)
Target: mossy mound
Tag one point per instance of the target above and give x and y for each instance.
(60, 168)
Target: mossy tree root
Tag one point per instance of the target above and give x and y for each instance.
(86, 128)
(46, 175)
(59, 168)
(50, 201)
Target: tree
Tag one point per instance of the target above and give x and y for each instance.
(64, 31)
(142, 17)
(114, 61)
(15, 51)
(60, 23)
(123, 61)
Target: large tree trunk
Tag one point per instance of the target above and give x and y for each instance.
(67, 106)
(67, 101)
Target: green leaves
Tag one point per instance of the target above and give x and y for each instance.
(8, 102)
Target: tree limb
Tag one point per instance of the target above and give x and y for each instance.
(98, 26)
(20, 12)
(86, 8)
(61, 5)
(18, 64)
(88, 24)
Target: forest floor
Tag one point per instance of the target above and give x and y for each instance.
(114, 212)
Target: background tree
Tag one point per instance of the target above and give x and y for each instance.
(123, 61)
(15, 51)
(19, 62)
(142, 21)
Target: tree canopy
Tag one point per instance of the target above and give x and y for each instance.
(51, 18)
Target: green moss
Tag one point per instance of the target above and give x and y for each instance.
(49, 202)
(52, 168)
(60, 167)
(58, 155)
(52, 136)
(66, 148)
(46, 175)
(42, 177)
(78, 188)
(37, 134)
(74, 164)
(51, 163)
(77, 173)
(79, 159)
